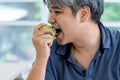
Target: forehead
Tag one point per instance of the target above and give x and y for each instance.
(50, 6)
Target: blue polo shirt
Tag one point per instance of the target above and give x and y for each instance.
(104, 66)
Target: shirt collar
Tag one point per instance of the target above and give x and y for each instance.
(105, 37)
(61, 49)
(64, 50)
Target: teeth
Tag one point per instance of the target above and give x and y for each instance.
(57, 32)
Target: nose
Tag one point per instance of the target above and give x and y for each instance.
(52, 19)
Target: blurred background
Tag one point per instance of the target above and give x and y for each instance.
(18, 18)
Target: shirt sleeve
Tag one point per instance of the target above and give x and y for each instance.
(49, 72)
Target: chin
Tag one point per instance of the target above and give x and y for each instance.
(62, 42)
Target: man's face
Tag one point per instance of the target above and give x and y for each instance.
(65, 24)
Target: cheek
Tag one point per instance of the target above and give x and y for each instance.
(68, 29)
(67, 34)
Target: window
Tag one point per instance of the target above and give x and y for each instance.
(111, 17)
(17, 20)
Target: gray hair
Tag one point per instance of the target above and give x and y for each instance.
(96, 6)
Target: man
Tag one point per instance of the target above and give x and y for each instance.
(84, 48)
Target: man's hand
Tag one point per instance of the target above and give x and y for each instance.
(42, 40)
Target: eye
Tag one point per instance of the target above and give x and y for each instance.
(57, 12)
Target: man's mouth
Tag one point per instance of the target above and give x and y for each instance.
(57, 32)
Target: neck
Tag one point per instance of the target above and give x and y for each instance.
(84, 50)
(89, 40)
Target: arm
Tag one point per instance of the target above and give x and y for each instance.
(38, 71)
(42, 41)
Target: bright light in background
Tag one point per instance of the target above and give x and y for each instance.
(11, 14)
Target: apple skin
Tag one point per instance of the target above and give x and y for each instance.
(49, 27)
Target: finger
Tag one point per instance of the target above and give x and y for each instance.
(44, 31)
(47, 31)
(45, 40)
(43, 36)
(38, 26)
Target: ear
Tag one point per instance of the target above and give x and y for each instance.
(84, 13)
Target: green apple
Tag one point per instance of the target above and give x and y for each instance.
(49, 27)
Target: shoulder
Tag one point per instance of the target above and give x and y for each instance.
(110, 40)
(113, 32)
(114, 35)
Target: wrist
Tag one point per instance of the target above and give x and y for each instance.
(41, 61)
